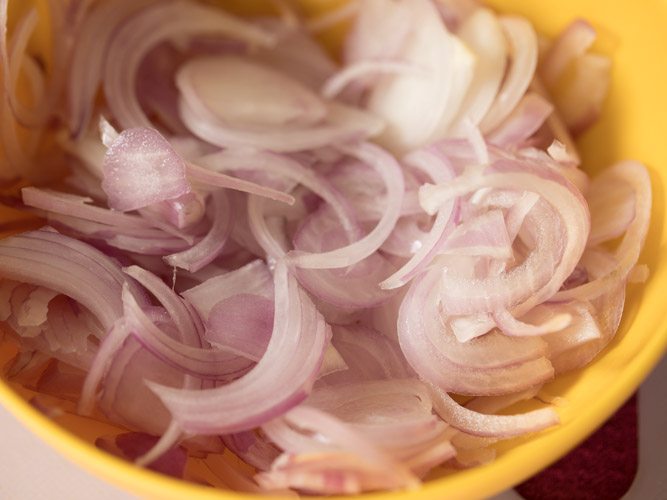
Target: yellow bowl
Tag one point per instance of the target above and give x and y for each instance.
(633, 125)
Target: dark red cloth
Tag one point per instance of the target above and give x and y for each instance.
(602, 467)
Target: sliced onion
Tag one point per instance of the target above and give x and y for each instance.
(149, 28)
(572, 222)
(206, 250)
(449, 65)
(88, 59)
(253, 278)
(523, 61)
(479, 424)
(246, 95)
(627, 253)
(362, 465)
(476, 368)
(526, 119)
(483, 34)
(368, 354)
(279, 381)
(68, 267)
(571, 43)
(390, 171)
(141, 169)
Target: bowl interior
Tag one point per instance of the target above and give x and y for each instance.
(632, 125)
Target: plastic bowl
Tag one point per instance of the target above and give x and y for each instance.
(633, 125)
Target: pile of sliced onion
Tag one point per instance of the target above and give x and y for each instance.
(309, 275)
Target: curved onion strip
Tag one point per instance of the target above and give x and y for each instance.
(369, 355)
(612, 205)
(629, 249)
(562, 196)
(12, 68)
(146, 30)
(279, 381)
(203, 363)
(574, 41)
(209, 247)
(337, 83)
(483, 34)
(526, 119)
(283, 166)
(89, 58)
(480, 424)
(274, 246)
(442, 226)
(371, 469)
(490, 365)
(253, 278)
(14, 62)
(523, 48)
(16, 153)
(106, 352)
(77, 206)
(182, 317)
(67, 266)
(390, 171)
(189, 331)
(352, 289)
(343, 124)
(516, 328)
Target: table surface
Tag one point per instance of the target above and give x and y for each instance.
(30, 469)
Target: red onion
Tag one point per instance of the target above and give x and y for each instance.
(302, 263)
(146, 30)
(522, 39)
(141, 169)
(263, 392)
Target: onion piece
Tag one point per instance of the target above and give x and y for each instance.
(483, 34)
(591, 78)
(353, 288)
(490, 365)
(246, 95)
(241, 323)
(68, 267)
(611, 201)
(480, 424)
(337, 83)
(279, 381)
(206, 250)
(149, 28)
(523, 49)
(362, 465)
(88, 58)
(566, 205)
(572, 42)
(390, 171)
(253, 278)
(140, 169)
(526, 119)
(449, 64)
(627, 253)
(368, 354)
(203, 363)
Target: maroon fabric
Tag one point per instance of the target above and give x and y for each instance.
(603, 467)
